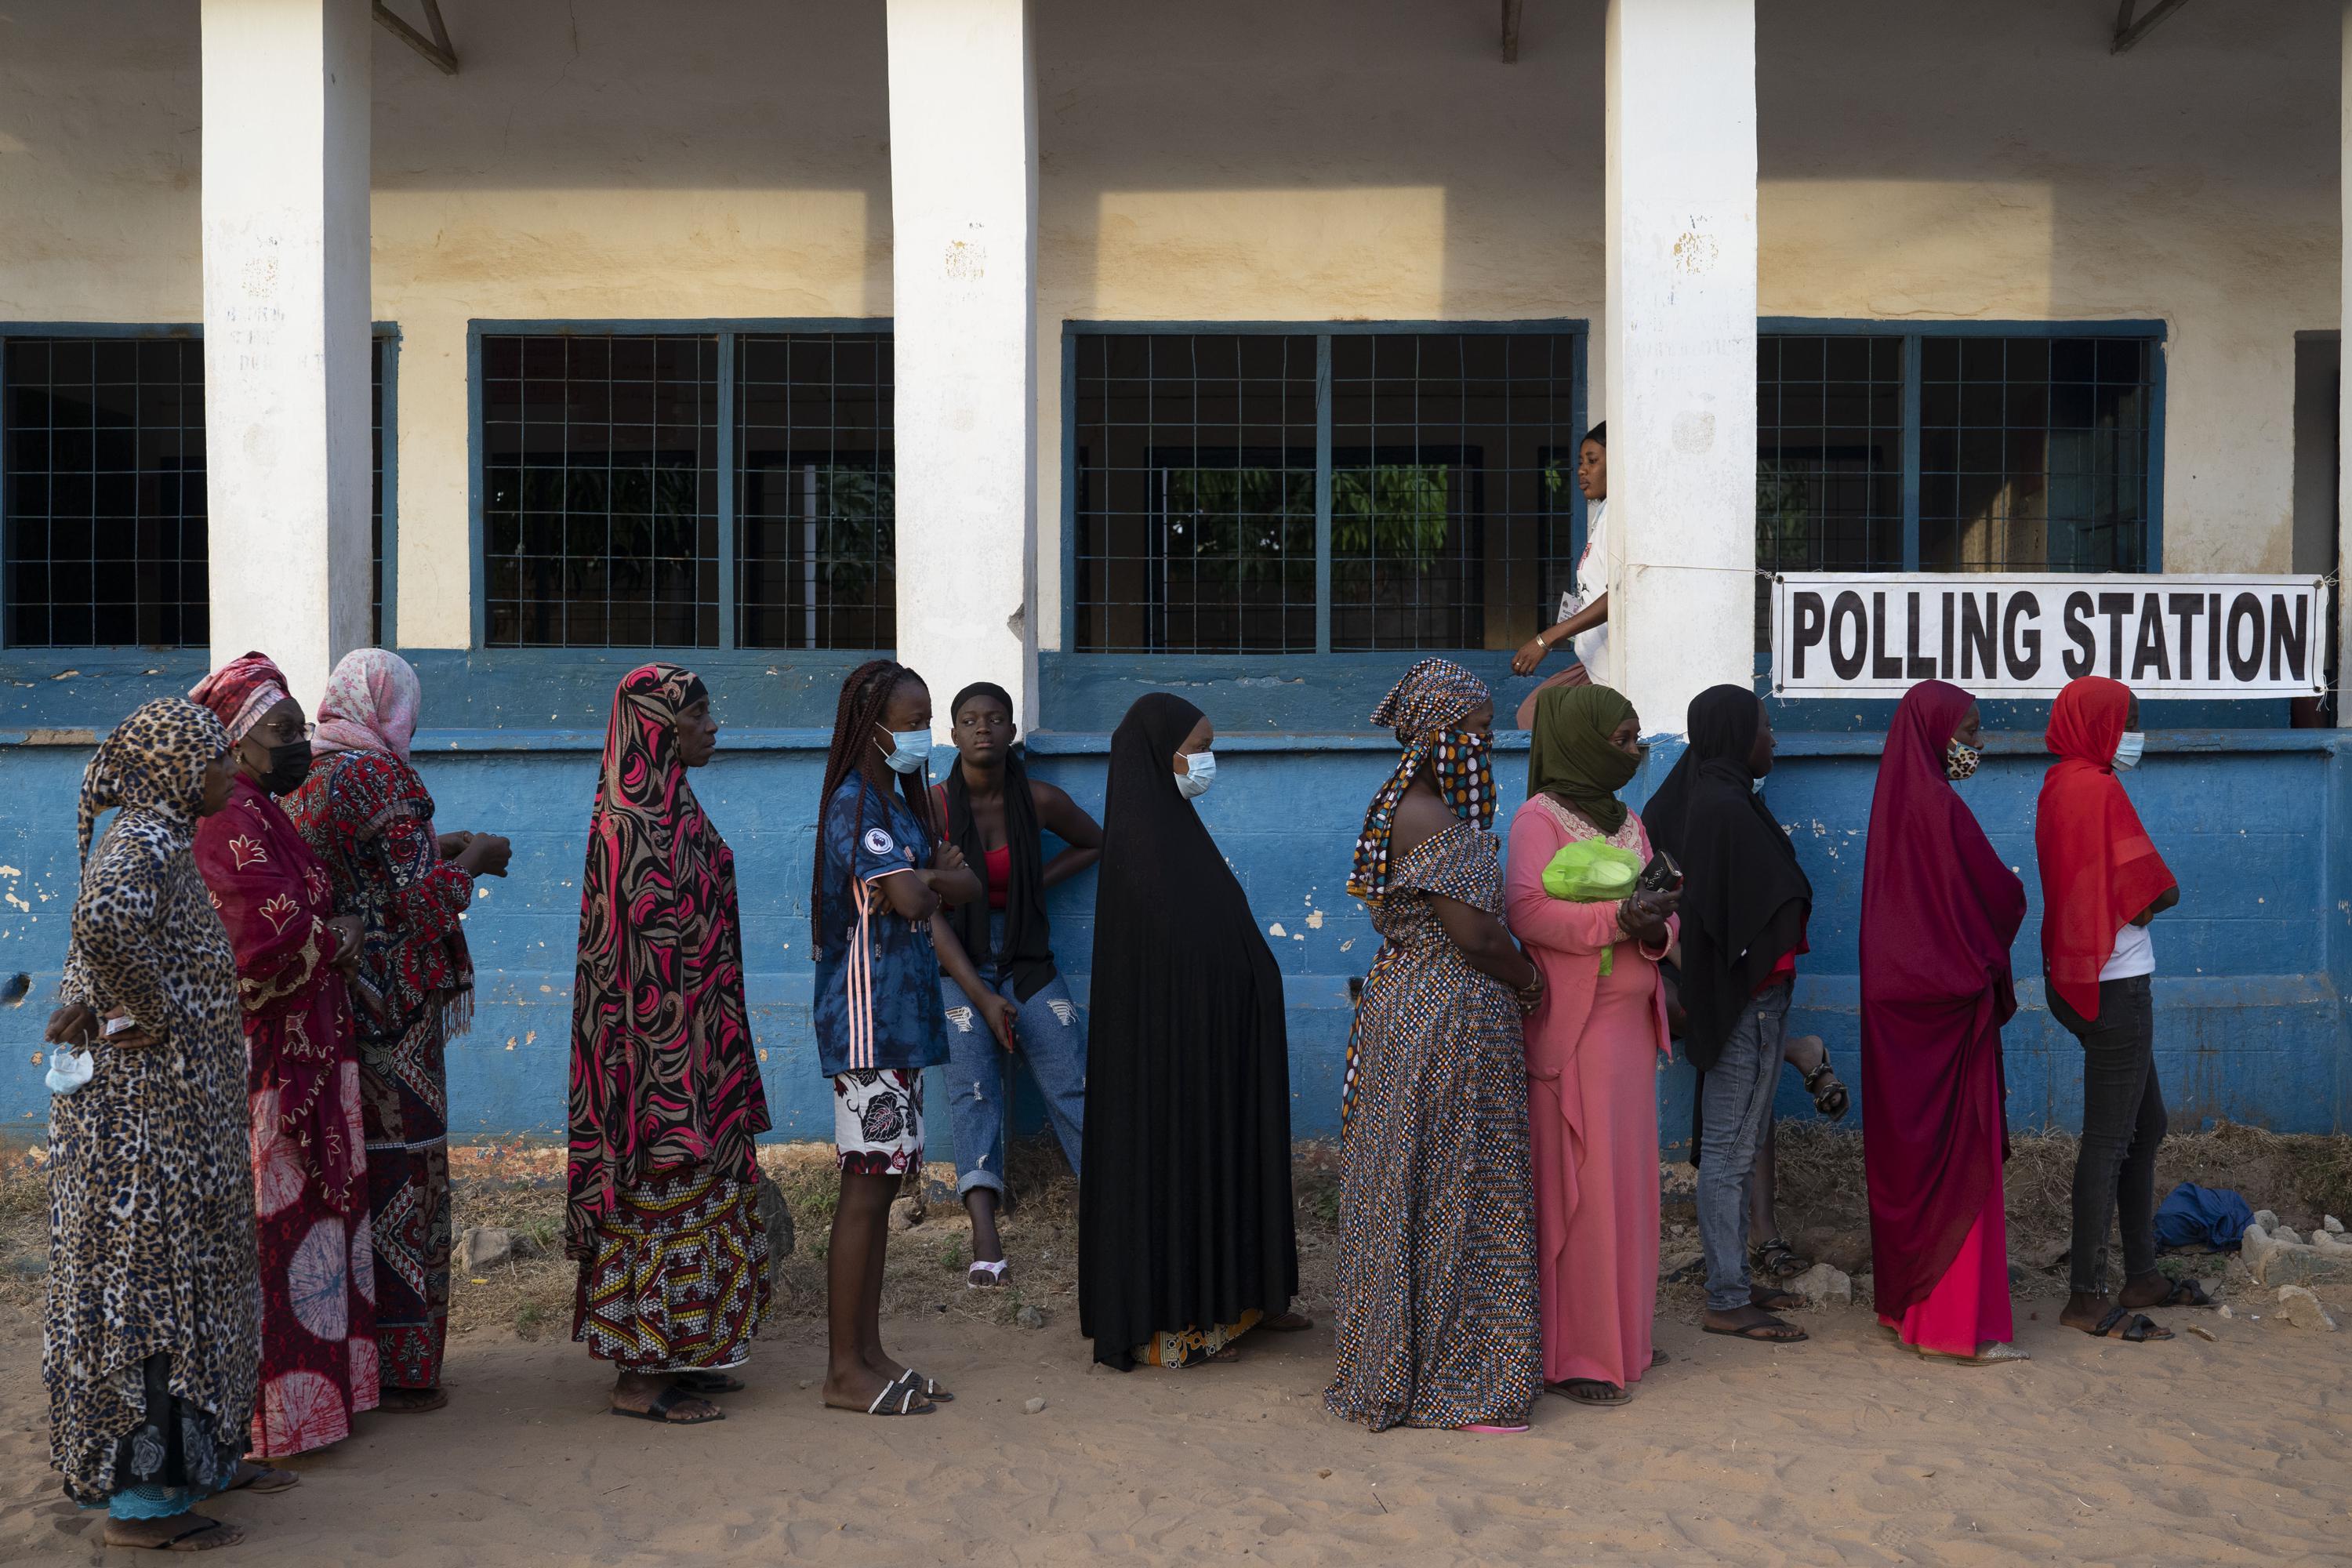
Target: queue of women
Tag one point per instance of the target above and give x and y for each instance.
(248, 1136)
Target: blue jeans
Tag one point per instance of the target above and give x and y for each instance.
(1736, 1106)
(1049, 1034)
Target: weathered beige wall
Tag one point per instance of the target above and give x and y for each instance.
(1225, 159)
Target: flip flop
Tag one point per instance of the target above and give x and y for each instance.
(253, 1476)
(707, 1382)
(2132, 1328)
(1486, 1430)
(1590, 1391)
(198, 1528)
(668, 1399)
(985, 1276)
(1762, 1333)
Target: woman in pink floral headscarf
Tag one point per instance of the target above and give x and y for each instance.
(365, 814)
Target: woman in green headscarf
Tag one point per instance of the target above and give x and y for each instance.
(1593, 1047)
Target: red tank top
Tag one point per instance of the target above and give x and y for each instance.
(1000, 875)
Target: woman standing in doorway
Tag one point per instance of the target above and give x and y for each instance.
(148, 1350)
(1584, 609)
(661, 1215)
(1939, 909)
(366, 816)
(1593, 1046)
(1002, 992)
(309, 1149)
(875, 886)
(1436, 1306)
(1185, 1234)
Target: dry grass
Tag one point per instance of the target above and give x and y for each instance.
(520, 1186)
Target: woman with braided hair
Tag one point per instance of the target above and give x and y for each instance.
(665, 1098)
(877, 882)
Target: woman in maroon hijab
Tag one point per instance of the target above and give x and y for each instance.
(1939, 909)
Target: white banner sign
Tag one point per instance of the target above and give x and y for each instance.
(2020, 634)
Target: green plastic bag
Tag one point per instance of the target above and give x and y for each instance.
(1592, 871)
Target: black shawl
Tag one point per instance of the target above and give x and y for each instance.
(1028, 936)
(1185, 1214)
(1745, 899)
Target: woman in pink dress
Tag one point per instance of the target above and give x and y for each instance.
(1593, 1050)
(1939, 909)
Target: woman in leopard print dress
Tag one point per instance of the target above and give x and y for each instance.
(151, 1336)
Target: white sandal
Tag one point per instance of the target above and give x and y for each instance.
(995, 1272)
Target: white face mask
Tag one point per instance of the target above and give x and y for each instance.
(1194, 784)
(2128, 749)
(68, 1070)
(909, 750)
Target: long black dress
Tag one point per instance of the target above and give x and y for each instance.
(1184, 1222)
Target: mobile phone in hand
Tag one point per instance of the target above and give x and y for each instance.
(1661, 875)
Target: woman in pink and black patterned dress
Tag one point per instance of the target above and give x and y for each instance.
(662, 1212)
(310, 1155)
(366, 814)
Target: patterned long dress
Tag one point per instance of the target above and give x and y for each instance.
(310, 1155)
(148, 1348)
(1437, 1313)
(369, 820)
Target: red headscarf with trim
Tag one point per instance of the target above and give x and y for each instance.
(240, 691)
(2099, 867)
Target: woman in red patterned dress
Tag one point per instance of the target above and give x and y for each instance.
(366, 814)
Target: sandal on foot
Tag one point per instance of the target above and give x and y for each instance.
(1773, 1301)
(1659, 1358)
(1777, 1258)
(669, 1400)
(2132, 1328)
(985, 1276)
(195, 1538)
(253, 1476)
(1288, 1323)
(1487, 1429)
(902, 1398)
(707, 1382)
(1590, 1391)
(2184, 1293)
(1830, 1096)
(930, 1388)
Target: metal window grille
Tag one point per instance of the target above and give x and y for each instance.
(379, 363)
(601, 495)
(815, 522)
(104, 493)
(1884, 452)
(1273, 492)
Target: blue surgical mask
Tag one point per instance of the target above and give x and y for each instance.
(1194, 784)
(909, 751)
(2128, 749)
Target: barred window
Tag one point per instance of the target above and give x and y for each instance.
(102, 497)
(1270, 491)
(1952, 451)
(615, 514)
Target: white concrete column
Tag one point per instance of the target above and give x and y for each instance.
(1681, 359)
(963, 213)
(2344, 388)
(286, 101)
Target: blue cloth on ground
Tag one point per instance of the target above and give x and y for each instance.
(2191, 1214)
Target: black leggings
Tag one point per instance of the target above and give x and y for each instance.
(2122, 1121)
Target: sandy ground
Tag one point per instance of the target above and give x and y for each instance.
(1846, 1450)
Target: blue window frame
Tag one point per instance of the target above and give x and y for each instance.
(683, 484)
(1961, 447)
(103, 493)
(1281, 487)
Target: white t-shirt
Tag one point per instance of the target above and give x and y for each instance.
(2134, 954)
(1592, 581)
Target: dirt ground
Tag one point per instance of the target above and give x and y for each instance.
(1847, 1449)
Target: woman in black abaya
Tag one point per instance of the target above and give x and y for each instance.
(1185, 1239)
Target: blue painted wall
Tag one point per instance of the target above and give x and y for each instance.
(2252, 1018)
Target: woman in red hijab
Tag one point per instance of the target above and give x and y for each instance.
(2102, 883)
(1939, 910)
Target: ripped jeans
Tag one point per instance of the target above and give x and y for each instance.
(1050, 1036)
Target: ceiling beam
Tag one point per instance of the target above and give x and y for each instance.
(436, 48)
(1510, 31)
(2129, 32)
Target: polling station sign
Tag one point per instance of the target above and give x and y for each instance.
(2018, 634)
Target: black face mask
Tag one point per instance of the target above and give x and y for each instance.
(290, 764)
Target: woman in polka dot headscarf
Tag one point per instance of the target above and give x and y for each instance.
(1437, 1304)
